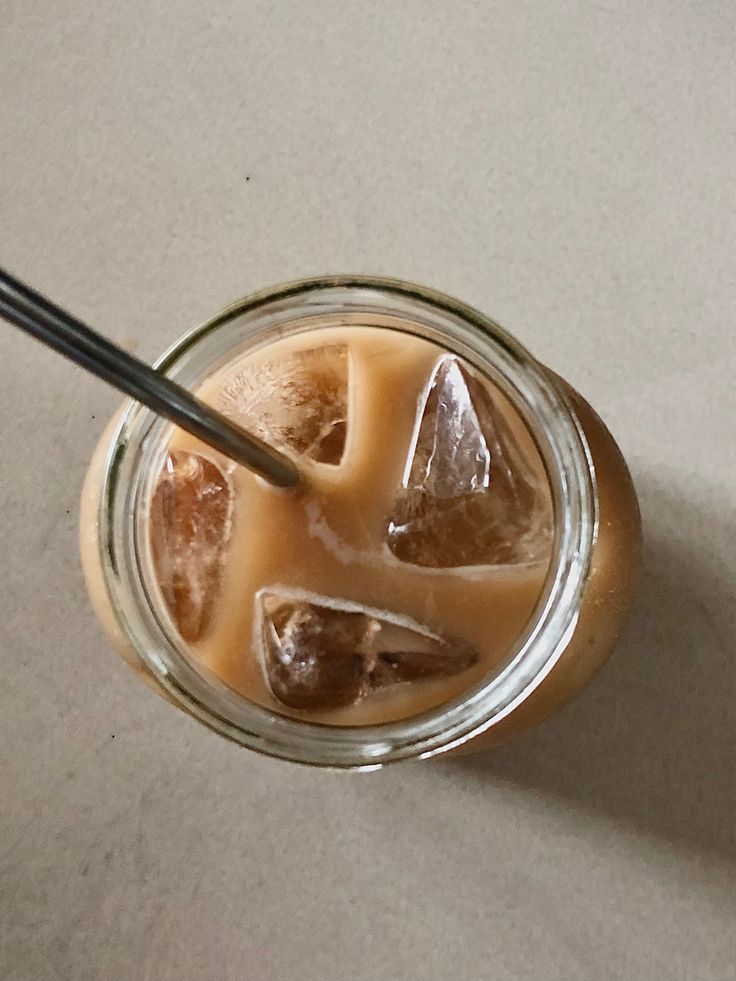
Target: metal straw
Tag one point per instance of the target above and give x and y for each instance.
(37, 316)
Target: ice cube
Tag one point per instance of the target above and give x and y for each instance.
(191, 524)
(324, 653)
(299, 401)
(470, 495)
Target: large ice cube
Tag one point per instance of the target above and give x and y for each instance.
(470, 496)
(191, 523)
(299, 401)
(324, 653)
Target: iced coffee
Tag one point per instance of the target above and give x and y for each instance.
(456, 562)
(406, 564)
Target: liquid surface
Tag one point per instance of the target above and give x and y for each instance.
(405, 568)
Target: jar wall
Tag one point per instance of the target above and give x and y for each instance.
(609, 593)
(90, 555)
(601, 612)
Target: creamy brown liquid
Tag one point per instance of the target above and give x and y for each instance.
(330, 537)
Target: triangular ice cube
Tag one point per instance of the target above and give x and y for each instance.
(323, 653)
(470, 495)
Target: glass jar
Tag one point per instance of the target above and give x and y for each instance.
(584, 600)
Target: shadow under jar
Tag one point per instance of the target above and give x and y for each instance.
(421, 656)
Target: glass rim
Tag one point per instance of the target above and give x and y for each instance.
(139, 442)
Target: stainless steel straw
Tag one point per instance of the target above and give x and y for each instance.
(41, 318)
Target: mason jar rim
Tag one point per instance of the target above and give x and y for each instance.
(137, 450)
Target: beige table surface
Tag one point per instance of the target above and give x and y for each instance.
(565, 166)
